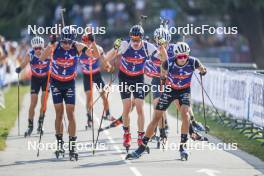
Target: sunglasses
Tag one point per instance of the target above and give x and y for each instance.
(182, 56)
(38, 48)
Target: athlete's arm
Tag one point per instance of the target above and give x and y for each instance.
(23, 64)
(47, 52)
(119, 46)
(163, 53)
(198, 65)
(25, 61)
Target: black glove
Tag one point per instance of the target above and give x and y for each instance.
(203, 73)
(18, 70)
(53, 38)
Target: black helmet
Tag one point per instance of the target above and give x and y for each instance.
(68, 33)
(136, 30)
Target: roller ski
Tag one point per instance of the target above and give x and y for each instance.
(89, 122)
(195, 133)
(73, 155)
(114, 124)
(184, 154)
(60, 148)
(30, 129)
(127, 141)
(40, 126)
(138, 153)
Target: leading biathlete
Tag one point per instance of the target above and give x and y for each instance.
(63, 72)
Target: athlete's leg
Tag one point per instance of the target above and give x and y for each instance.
(72, 122)
(59, 109)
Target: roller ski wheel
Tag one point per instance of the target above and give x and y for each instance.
(28, 132)
(137, 154)
(184, 155)
(147, 150)
(158, 145)
(73, 156)
(59, 153)
(132, 156)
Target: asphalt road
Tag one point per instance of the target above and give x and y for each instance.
(20, 159)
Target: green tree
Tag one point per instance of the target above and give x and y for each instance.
(247, 15)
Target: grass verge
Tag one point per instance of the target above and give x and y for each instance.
(227, 134)
(9, 114)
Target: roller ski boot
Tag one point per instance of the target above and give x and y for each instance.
(162, 140)
(40, 129)
(73, 155)
(89, 122)
(127, 141)
(140, 137)
(138, 153)
(30, 128)
(195, 134)
(184, 154)
(60, 151)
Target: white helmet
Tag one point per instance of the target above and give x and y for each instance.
(162, 33)
(182, 48)
(37, 42)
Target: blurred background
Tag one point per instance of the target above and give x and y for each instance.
(118, 16)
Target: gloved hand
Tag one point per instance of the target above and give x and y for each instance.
(18, 70)
(203, 72)
(161, 41)
(53, 38)
(117, 43)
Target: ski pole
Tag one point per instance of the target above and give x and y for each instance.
(205, 123)
(101, 121)
(209, 98)
(18, 105)
(177, 113)
(91, 94)
(45, 97)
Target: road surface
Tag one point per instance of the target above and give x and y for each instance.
(17, 159)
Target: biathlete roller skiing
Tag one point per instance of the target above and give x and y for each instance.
(152, 70)
(134, 53)
(178, 71)
(63, 73)
(85, 60)
(39, 70)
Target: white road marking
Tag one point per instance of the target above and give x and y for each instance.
(209, 172)
(133, 169)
